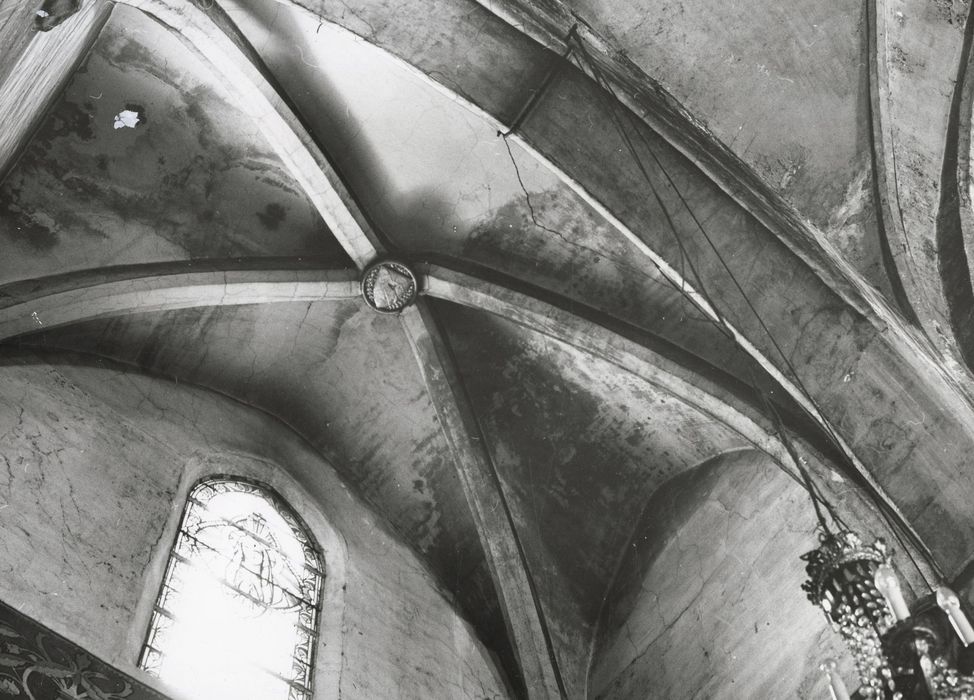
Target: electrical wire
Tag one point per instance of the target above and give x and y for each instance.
(903, 534)
(551, 74)
(685, 258)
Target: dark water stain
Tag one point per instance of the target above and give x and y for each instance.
(143, 118)
(556, 239)
(24, 229)
(133, 55)
(21, 226)
(179, 180)
(82, 186)
(275, 182)
(320, 237)
(69, 119)
(272, 216)
(545, 429)
(202, 108)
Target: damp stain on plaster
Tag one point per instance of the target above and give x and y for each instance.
(555, 419)
(24, 227)
(183, 185)
(70, 119)
(385, 442)
(952, 12)
(561, 244)
(854, 230)
(906, 63)
(272, 216)
(551, 232)
(557, 242)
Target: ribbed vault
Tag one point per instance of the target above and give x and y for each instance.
(604, 290)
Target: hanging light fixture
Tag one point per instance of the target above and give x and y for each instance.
(899, 653)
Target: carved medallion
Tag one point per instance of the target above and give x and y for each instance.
(389, 287)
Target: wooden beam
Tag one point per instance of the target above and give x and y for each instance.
(484, 492)
(35, 67)
(33, 306)
(217, 42)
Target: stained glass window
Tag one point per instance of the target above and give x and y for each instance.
(238, 611)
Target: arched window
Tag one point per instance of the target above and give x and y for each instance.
(238, 611)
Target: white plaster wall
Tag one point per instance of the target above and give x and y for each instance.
(713, 607)
(94, 465)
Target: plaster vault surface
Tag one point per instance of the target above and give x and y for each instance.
(593, 333)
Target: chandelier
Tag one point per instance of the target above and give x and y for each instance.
(898, 653)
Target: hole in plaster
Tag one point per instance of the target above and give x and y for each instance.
(132, 116)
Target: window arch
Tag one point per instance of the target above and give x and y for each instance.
(237, 615)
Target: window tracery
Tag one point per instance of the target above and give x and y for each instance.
(238, 611)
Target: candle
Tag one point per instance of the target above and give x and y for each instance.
(887, 584)
(950, 604)
(837, 687)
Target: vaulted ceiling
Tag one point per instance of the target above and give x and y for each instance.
(627, 221)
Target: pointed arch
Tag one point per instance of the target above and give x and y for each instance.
(239, 606)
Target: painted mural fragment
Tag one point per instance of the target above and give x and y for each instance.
(37, 664)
